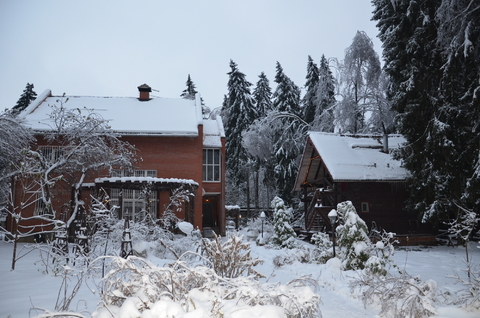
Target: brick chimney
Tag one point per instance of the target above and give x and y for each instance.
(144, 91)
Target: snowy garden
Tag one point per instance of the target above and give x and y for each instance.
(276, 275)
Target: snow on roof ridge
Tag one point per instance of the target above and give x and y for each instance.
(37, 102)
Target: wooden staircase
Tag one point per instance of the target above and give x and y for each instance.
(316, 216)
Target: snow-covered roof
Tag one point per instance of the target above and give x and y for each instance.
(356, 158)
(126, 115)
(213, 132)
(189, 182)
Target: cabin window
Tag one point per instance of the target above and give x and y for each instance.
(211, 165)
(40, 207)
(365, 207)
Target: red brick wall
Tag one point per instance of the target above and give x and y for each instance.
(171, 157)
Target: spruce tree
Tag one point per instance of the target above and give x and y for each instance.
(309, 100)
(283, 233)
(286, 97)
(324, 98)
(190, 91)
(239, 112)
(289, 140)
(431, 53)
(25, 99)
(262, 95)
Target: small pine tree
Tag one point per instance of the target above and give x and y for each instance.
(353, 240)
(283, 233)
(190, 91)
(25, 99)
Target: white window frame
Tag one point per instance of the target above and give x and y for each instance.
(51, 153)
(134, 173)
(212, 168)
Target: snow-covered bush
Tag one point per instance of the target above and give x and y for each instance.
(399, 296)
(383, 249)
(470, 294)
(230, 259)
(323, 247)
(301, 254)
(134, 287)
(283, 233)
(353, 240)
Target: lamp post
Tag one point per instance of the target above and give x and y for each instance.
(332, 215)
(262, 217)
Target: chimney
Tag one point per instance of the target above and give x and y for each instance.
(144, 91)
(385, 143)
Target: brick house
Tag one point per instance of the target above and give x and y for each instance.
(337, 168)
(177, 146)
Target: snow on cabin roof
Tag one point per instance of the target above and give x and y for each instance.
(213, 133)
(359, 158)
(126, 115)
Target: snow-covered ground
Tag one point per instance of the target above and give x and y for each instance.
(29, 287)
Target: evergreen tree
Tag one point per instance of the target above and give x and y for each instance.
(190, 91)
(324, 98)
(25, 99)
(262, 95)
(239, 112)
(353, 240)
(432, 56)
(283, 233)
(309, 100)
(286, 97)
(289, 140)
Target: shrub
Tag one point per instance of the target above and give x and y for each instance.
(353, 240)
(283, 233)
(230, 259)
(323, 247)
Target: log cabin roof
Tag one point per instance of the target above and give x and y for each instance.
(348, 158)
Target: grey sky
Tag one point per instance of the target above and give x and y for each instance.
(108, 48)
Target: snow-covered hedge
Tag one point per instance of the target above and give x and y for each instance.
(135, 287)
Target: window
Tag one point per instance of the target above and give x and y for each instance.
(40, 207)
(51, 153)
(134, 204)
(134, 173)
(211, 164)
(365, 207)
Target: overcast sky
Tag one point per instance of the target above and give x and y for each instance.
(108, 48)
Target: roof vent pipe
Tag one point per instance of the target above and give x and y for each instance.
(144, 91)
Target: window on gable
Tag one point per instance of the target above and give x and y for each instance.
(211, 164)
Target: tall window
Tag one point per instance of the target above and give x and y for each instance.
(211, 164)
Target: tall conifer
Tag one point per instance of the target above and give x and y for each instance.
(239, 112)
(25, 99)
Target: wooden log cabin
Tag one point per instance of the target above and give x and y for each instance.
(360, 169)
